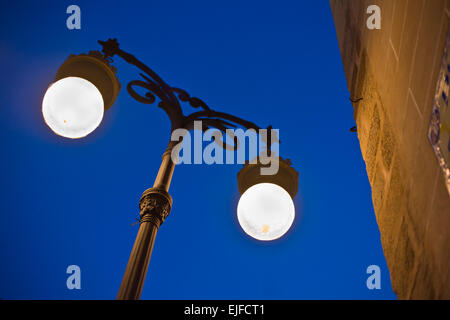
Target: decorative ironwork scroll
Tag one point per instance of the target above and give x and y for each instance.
(170, 98)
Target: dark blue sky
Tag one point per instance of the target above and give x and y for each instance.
(69, 202)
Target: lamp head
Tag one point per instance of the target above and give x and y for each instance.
(266, 209)
(85, 86)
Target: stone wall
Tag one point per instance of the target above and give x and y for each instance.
(395, 70)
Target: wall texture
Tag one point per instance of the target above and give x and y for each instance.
(395, 70)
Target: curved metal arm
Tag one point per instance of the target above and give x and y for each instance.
(171, 98)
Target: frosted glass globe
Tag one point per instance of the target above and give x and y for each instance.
(73, 107)
(265, 211)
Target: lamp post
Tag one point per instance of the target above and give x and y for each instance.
(73, 107)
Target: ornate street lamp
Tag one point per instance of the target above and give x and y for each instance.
(73, 107)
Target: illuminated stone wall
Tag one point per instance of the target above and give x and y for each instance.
(395, 71)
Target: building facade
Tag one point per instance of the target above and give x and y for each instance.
(398, 80)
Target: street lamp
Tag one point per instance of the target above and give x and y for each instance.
(84, 87)
(266, 208)
(73, 107)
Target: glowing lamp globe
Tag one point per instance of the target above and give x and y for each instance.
(266, 209)
(73, 107)
(85, 86)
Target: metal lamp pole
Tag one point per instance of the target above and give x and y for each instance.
(155, 203)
